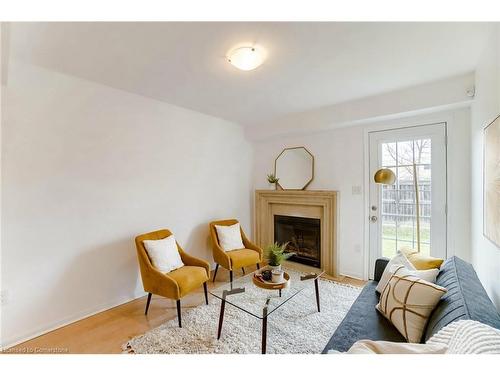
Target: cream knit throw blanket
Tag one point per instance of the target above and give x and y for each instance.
(460, 337)
(468, 337)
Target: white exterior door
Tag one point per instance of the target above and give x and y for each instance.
(392, 212)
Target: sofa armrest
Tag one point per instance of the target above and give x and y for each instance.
(380, 265)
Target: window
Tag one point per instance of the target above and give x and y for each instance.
(398, 208)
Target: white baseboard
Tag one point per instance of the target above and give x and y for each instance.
(353, 275)
(10, 342)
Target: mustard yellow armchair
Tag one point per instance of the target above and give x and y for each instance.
(175, 284)
(241, 258)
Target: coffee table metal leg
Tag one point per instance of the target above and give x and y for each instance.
(226, 293)
(317, 292)
(221, 318)
(264, 334)
(264, 326)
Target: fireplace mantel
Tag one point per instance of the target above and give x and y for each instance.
(320, 204)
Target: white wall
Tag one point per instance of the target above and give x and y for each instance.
(338, 158)
(430, 97)
(85, 169)
(485, 255)
(2, 116)
(340, 165)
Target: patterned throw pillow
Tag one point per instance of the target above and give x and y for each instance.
(407, 302)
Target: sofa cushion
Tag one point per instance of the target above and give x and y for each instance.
(363, 321)
(380, 266)
(465, 298)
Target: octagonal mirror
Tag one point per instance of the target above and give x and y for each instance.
(295, 168)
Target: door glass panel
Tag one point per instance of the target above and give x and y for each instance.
(423, 151)
(404, 153)
(388, 246)
(389, 153)
(399, 224)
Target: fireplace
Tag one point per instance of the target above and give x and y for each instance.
(303, 236)
(319, 204)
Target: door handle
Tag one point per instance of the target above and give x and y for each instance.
(373, 219)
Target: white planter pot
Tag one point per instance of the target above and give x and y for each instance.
(273, 186)
(275, 268)
(277, 276)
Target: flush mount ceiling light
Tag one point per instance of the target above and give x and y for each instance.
(246, 58)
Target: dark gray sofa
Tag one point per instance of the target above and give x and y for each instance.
(465, 299)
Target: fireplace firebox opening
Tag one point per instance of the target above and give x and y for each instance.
(303, 236)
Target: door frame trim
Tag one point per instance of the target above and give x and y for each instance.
(380, 127)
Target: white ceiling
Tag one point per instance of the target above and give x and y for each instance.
(309, 65)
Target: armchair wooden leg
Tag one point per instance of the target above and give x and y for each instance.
(179, 312)
(147, 303)
(258, 266)
(215, 272)
(243, 270)
(206, 292)
(231, 276)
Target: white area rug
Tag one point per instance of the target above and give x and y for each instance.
(296, 327)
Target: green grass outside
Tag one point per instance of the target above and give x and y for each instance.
(404, 234)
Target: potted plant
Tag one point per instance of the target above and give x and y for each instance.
(272, 179)
(275, 255)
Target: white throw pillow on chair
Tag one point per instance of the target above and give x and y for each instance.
(164, 254)
(229, 237)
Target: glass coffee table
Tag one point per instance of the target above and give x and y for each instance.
(243, 294)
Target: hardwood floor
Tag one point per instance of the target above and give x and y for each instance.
(107, 331)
